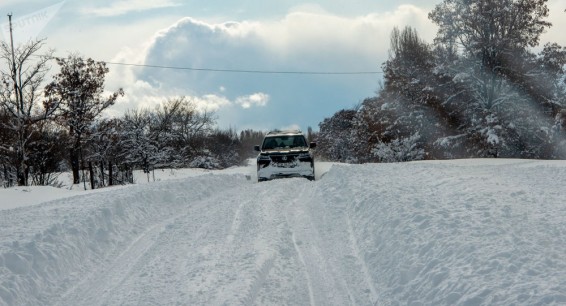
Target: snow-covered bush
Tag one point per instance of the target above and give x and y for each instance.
(205, 162)
(400, 150)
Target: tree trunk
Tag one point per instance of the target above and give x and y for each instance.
(90, 170)
(7, 177)
(26, 175)
(75, 166)
(110, 173)
(83, 169)
(75, 153)
(102, 173)
(20, 169)
(20, 175)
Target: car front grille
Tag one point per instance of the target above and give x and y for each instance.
(281, 159)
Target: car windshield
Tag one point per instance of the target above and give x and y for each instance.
(284, 142)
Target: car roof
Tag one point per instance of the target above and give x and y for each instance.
(285, 132)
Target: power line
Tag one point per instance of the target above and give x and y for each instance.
(243, 70)
(249, 71)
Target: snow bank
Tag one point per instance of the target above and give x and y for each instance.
(32, 195)
(473, 232)
(46, 248)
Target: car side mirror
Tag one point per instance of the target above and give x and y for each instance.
(256, 148)
(312, 145)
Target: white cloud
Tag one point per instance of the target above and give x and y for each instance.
(210, 102)
(304, 40)
(126, 6)
(320, 35)
(308, 40)
(142, 96)
(256, 99)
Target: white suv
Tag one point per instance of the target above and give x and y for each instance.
(285, 154)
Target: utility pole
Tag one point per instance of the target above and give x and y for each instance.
(20, 167)
(14, 73)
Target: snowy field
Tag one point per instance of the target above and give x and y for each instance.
(466, 232)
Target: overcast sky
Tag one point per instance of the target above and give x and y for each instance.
(256, 35)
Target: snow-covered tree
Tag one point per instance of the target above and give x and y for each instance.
(478, 91)
(503, 95)
(105, 149)
(47, 154)
(171, 135)
(139, 146)
(220, 151)
(7, 139)
(400, 150)
(491, 31)
(336, 139)
(408, 68)
(559, 130)
(79, 89)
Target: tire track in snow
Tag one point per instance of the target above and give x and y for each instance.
(361, 262)
(337, 224)
(238, 233)
(198, 247)
(325, 284)
(105, 286)
(325, 225)
(94, 288)
(307, 275)
(254, 224)
(299, 252)
(256, 244)
(236, 223)
(277, 276)
(258, 281)
(355, 250)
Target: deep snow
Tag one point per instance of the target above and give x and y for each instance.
(466, 232)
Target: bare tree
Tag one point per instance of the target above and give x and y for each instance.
(188, 126)
(21, 81)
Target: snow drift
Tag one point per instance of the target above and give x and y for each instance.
(470, 232)
(45, 249)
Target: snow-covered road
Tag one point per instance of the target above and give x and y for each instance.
(257, 243)
(466, 232)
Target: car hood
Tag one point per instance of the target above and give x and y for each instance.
(286, 151)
